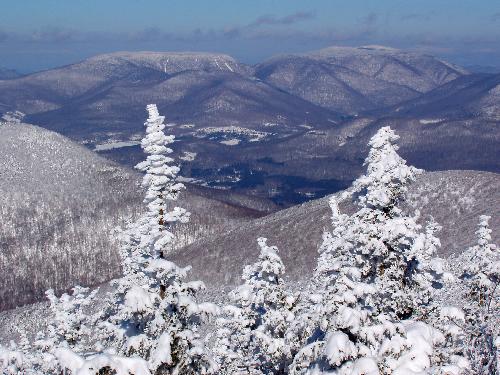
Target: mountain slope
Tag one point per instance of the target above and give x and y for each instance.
(454, 198)
(52, 89)
(475, 95)
(352, 80)
(195, 99)
(271, 131)
(103, 97)
(59, 203)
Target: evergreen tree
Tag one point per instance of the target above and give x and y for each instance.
(71, 323)
(68, 332)
(373, 275)
(161, 187)
(157, 318)
(14, 361)
(250, 338)
(481, 323)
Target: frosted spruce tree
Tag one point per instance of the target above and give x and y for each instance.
(481, 321)
(373, 280)
(69, 331)
(161, 188)
(151, 323)
(250, 338)
(52, 351)
(154, 315)
(13, 361)
(71, 324)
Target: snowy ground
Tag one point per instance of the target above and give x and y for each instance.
(113, 145)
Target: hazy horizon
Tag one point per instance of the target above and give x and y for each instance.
(38, 35)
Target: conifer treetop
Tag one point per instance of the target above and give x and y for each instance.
(161, 187)
(387, 176)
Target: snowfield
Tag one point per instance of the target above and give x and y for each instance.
(114, 145)
(249, 135)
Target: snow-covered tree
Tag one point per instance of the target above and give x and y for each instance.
(71, 324)
(14, 361)
(482, 267)
(250, 338)
(481, 321)
(373, 279)
(154, 313)
(152, 320)
(161, 188)
(68, 331)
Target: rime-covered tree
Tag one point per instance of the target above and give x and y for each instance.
(68, 332)
(161, 188)
(14, 361)
(71, 322)
(250, 338)
(372, 280)
(481, 322)
(157, 316)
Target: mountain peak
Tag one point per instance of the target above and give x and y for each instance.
(171, 62)
(367, 49)
(154, 55)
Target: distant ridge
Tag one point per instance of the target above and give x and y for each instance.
(9, 73)
(291, 129)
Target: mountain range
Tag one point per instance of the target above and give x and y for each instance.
(259, 129)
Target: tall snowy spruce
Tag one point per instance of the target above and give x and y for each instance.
(157, 318)
(373, 281)
(250, 336)
(161, 188)
(152, 320)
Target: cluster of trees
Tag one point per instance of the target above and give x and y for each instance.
(55, 225)
(370, 306)
(51, 239)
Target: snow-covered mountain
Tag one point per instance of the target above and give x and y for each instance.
(455, 199)
(106, 94)
(471, 96)
(352, 80)
(51, 89)
(59, 203)
(291, 129)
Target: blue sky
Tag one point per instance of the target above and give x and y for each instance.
(39, 34)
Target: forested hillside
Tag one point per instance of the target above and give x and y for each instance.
(455, 199)
(257, 130)
(378, 298)
(59, 205)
